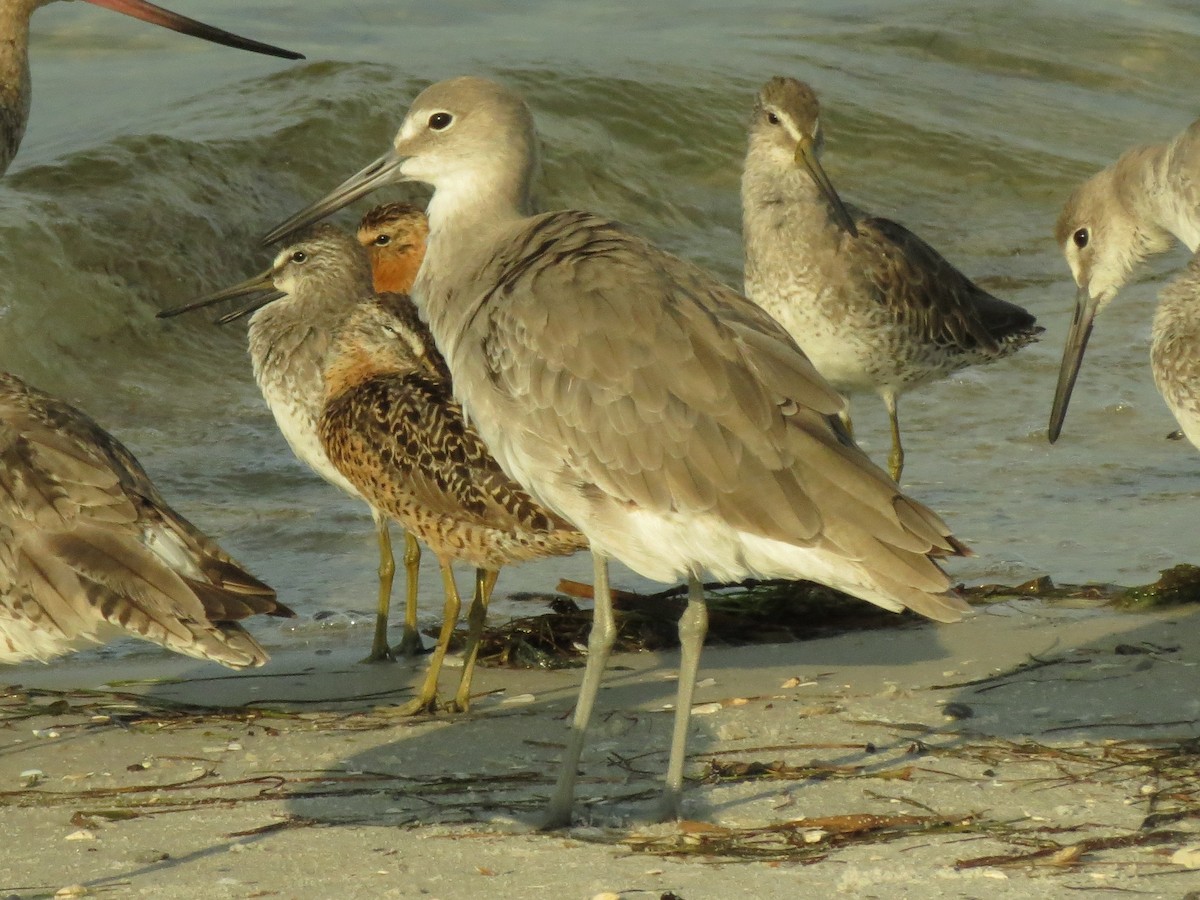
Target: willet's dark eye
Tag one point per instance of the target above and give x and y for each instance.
(440, 120)
(1081, 238)
(772, 118)
(299, 257)
(383, 240)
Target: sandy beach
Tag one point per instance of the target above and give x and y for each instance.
(1031, 751)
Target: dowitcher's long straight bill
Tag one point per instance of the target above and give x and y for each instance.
(806, 155)
(156, 15)
(263, 284)
(383, 171)
(1077, 341)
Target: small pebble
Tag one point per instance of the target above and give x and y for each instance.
(957, 711)
(81, 835)
(71, 890)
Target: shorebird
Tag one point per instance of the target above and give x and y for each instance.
(304, 296)
(394, 235)
(875, 308)
(391, 425)
(1136, 208)
(14, 56)
(90, 551)
(666, 416)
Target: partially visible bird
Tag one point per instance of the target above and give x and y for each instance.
(670, 419)
(392, 427)
(394, 237)
(1134, 209)
(14, 56)
(873, 306)
(304, 296)
(90, 551)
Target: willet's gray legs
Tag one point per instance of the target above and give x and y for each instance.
(896, 457)
(426, 701)
(485, 580)
(600, 644)
(410, 643)
(693, 626)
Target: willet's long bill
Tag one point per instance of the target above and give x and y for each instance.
(296, 306)
(90, 551)
(672, 420)
(14, 56)
(391, 425)
(1136, 208)
(875, 308)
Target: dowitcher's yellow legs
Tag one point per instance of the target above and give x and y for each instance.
(485, 580)
(896, 457)
(426, 701)
(387, 569)
(410, 643)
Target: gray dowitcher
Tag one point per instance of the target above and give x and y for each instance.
(392, 427)
(90, 551)
(672, 420)
(394, 236)
(304, 296)
(1136, 208)
(14, 56)
(875, 308)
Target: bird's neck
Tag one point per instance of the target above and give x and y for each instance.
(1146, 187)
(14, 77)
(348, 366)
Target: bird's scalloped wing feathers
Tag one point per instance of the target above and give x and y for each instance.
(681, 394)
(922, 287)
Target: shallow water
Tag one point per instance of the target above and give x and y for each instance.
(152, 163)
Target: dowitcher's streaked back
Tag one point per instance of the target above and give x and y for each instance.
(14, 56)
(1136, 208)
(392, 427)
(672, 420)
(90, 551)
(304, 296)
(875, 308)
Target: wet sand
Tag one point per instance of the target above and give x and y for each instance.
(1031, 751)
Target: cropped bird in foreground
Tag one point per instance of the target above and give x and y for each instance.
(310, 290)
(89, 551)
(666, 416)
(392, 427)
(872, 305)
(1136, 208)
(14, 56)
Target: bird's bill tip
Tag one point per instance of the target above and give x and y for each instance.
(156, 15)
(382, 171)
(260, 282)
(806, 156)
(1077, 340)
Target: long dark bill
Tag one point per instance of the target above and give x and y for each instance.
(380, 172)
(806, 155)
(1077, 341)
(262, 282)
(156, 15)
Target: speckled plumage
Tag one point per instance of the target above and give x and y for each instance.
(1134, 209)
(90, 551)
(669, 418)
(1175, 349)
(392, 426)
(880, 311)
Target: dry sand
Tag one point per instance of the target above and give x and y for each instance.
(1069, 732)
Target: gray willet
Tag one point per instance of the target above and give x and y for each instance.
(90, 551)
(1136, 208)
(14, 56)
(875, 308)
(304, 296)
(672, 420)
(392, 426)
